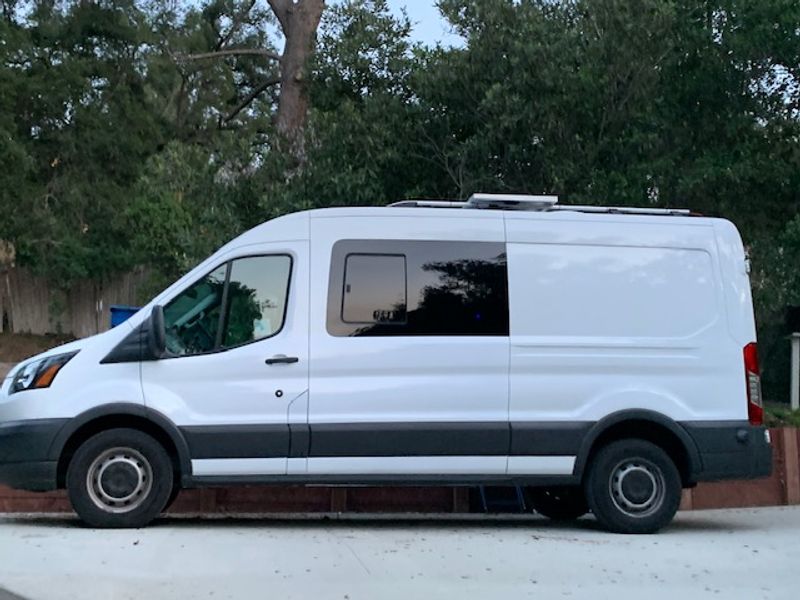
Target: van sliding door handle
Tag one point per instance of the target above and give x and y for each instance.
(281, 359)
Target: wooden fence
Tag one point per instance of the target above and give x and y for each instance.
(31, 304)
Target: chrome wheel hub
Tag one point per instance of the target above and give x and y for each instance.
(637, 487)
(119, 480)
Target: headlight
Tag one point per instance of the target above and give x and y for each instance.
(39, 373)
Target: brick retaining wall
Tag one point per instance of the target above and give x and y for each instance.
(783, 487)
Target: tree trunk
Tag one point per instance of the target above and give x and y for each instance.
(299, 21)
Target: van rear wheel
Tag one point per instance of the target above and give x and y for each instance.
(119, 478)
(633, 486)
(563, 503)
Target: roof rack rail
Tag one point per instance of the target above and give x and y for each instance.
(624, 210)
(538, 203)
(488, 201)
(428, 204)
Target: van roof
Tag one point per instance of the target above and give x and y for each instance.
(524, 202)
(295, 225)
(570, 212)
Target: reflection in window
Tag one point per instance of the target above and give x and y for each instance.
(374, 289)
(468, 297)
(192, 319)
(256, 298)
(239, 302)
(449, 288)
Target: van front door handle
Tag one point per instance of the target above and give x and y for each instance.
(281, 359)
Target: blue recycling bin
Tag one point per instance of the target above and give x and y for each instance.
(121, 313)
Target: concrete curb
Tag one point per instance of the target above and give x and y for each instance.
(298, 516)
(386, 518)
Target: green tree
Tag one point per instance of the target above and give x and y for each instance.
(362, 138)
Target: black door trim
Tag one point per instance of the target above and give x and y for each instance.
(410, 439)
(299, 440)
(548, 438)
(237, 441)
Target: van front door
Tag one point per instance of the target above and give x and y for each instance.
(238, 361)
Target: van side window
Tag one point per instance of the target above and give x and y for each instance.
(257, 291)
(241, 301)
(417, 288)
(374, 289)
(192, 319)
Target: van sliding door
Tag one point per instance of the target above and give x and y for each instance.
(409, 347)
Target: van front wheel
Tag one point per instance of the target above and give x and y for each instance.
(119, 478)
(633, 486)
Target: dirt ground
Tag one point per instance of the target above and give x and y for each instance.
(15, 347)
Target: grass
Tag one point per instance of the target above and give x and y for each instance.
(780, 415)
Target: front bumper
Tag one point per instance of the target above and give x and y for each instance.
(731, 451)
(25, 453)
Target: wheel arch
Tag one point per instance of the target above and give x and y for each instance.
(133, 416)
(647, 425)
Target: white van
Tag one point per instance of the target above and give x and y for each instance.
(604, 358)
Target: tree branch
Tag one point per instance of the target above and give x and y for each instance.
(250, 97)
(231, 52)
(236, 23)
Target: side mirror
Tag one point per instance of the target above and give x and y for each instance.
(156, 333)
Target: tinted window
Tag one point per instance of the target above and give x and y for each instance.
(393, 287)
(374, 289)
(239, 302)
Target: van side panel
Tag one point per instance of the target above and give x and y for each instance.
(736, 283)
(606, 317)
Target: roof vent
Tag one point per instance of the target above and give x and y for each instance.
(512, 201)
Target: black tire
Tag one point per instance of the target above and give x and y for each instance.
(633, 486)
(564, 503)
(176, 489)
(119, 478)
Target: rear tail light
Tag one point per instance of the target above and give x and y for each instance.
(755, 406)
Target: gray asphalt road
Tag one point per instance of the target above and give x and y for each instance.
(753, 553)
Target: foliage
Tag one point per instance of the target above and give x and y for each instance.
(779, 415)
(97, 106)
(362, 147)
